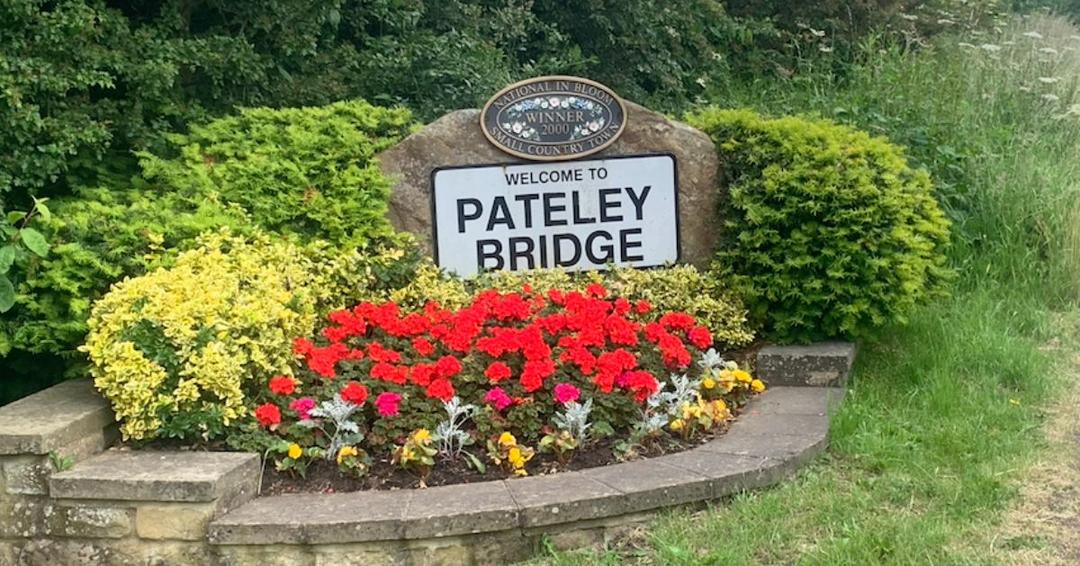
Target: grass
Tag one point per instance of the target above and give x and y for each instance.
(945, 415)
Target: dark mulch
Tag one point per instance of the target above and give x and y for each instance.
(324, 477)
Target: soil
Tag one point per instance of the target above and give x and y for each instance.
(324, 477)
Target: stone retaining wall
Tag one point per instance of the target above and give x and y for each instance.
(147, 507)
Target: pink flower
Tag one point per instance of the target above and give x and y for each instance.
(303, 407)
(566, 393)
(387, 404)
(498, 397)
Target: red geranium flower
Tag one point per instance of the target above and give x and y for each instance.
(497, 372)
(354, 392)
(282, 385)
(268, 414)
(423, 346)
(441, 389)
(700, 337)
(447, 366)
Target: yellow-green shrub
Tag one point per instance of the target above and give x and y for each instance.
(172, 350)
(176, 350)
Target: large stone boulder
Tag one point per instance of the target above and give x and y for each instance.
(456, 139)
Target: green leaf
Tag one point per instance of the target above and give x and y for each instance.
(15, 216)
(34, 241)
(7, 294)
(43, 210)
(475, 462)
(7, 257)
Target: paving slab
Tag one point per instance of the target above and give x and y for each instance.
(460, 509)
(54, 418)
(650, 484)
(823, 364)
(146, 475)
(791, 400)
(314, 519)
(561, 498)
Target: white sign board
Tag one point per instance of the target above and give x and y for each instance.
(570, 215)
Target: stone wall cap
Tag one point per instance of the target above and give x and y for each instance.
(145, 475)
(53, 418)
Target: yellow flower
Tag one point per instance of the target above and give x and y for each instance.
(757, 385)
(507, 439)
(515, 457)
(345, 452)
(676, 424)
(295, 451)
(421, 435)
(742, 376)
(708, 383)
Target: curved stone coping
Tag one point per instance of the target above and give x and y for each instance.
(777, 433)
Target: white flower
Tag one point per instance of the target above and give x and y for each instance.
(909, 17)
(1049, 80)
(990, 47)
(1032, 34)
(817, 32)
(1048, 51)
(1050, 97)
(554, 101)
(824, 49)
(516, 127)
(968, 45)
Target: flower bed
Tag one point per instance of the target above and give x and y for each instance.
(511, 383)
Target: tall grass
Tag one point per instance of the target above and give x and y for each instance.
(944, 414)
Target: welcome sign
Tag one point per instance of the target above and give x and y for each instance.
(571, 215)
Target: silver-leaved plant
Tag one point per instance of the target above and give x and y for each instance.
(574, 419)
(334, 418)
(449, 434)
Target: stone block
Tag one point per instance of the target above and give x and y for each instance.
(85, 520)
(51, 419)
(796, 401)
(160, 476)
(460, 509)
(176, 521)
(23, 516)
(360, 554)
(439, 554)
(823, 364)
(771, 424)
(262, 555)
(457, 139)
(314, 519)
(650, 484)
(562, 498)
(26, 475)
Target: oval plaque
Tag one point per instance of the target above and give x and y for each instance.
(553, 118)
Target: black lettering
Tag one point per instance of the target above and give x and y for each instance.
(625, 244)
(639, 201)
(500, 214)
(483, 253)
(575, 201)
(527, 200)
(607, 249)
(605, 205)
(556, 243)
(462, 217)
(549, 208)
(523, 252)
